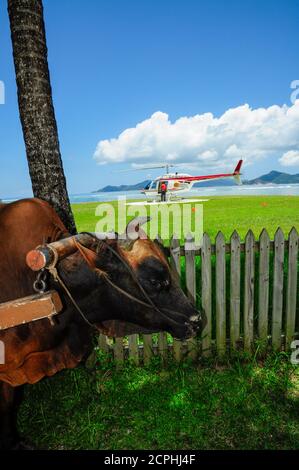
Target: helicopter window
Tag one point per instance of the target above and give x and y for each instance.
(148, 185)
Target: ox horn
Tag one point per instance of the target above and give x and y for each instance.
(134, 230)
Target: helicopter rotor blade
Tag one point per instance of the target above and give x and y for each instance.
(144, 168)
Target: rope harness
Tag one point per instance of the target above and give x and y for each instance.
(105, 276)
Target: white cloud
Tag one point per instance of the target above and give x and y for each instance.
(290, 158)
(206, 140)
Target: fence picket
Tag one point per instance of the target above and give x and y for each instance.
(277, 288)
(175, 255)
(220, 294)
(102, 342)
(118, 350)
(206, 293)
(190, 268)
(234, 290)
(249, 290)
(192, 343)
(292, 287)
(148, 350)
(175, 262)
(133, 348)
(163, 346)
(263, 305)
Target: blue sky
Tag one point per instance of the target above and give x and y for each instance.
(114, 63)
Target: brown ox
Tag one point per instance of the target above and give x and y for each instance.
(39, 349)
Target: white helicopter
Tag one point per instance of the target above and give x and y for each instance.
(182, 182)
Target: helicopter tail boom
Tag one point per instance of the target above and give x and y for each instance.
(238, 167)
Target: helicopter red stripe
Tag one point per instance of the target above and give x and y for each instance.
(199, 178)
(207, 177)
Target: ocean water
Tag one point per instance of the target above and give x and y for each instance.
(244, 190)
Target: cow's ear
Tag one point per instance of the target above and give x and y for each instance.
(105, 248)
(103, 251)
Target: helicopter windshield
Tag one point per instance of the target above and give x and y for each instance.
(150, 185)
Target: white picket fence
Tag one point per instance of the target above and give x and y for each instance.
(248, 291)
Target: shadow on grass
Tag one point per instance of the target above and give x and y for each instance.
(230, 406)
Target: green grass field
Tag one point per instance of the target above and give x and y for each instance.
(235, 405)
(240, 403)
(224, 213)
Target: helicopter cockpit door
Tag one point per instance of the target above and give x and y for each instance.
(159, 185)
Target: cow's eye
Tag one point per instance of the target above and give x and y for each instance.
(155, 283)
(159, 284)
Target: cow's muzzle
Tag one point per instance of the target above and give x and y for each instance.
(194, 326)
(190, 328)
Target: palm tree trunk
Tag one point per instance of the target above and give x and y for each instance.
(36, 106)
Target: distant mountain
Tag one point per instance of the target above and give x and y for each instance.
(274, 177)
(123, 187)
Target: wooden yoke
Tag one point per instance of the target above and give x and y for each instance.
(29, 309)
(47, 255)
(44, 304)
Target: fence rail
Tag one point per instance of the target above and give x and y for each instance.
(248, 291)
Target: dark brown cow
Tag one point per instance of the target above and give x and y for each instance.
(39, 349)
